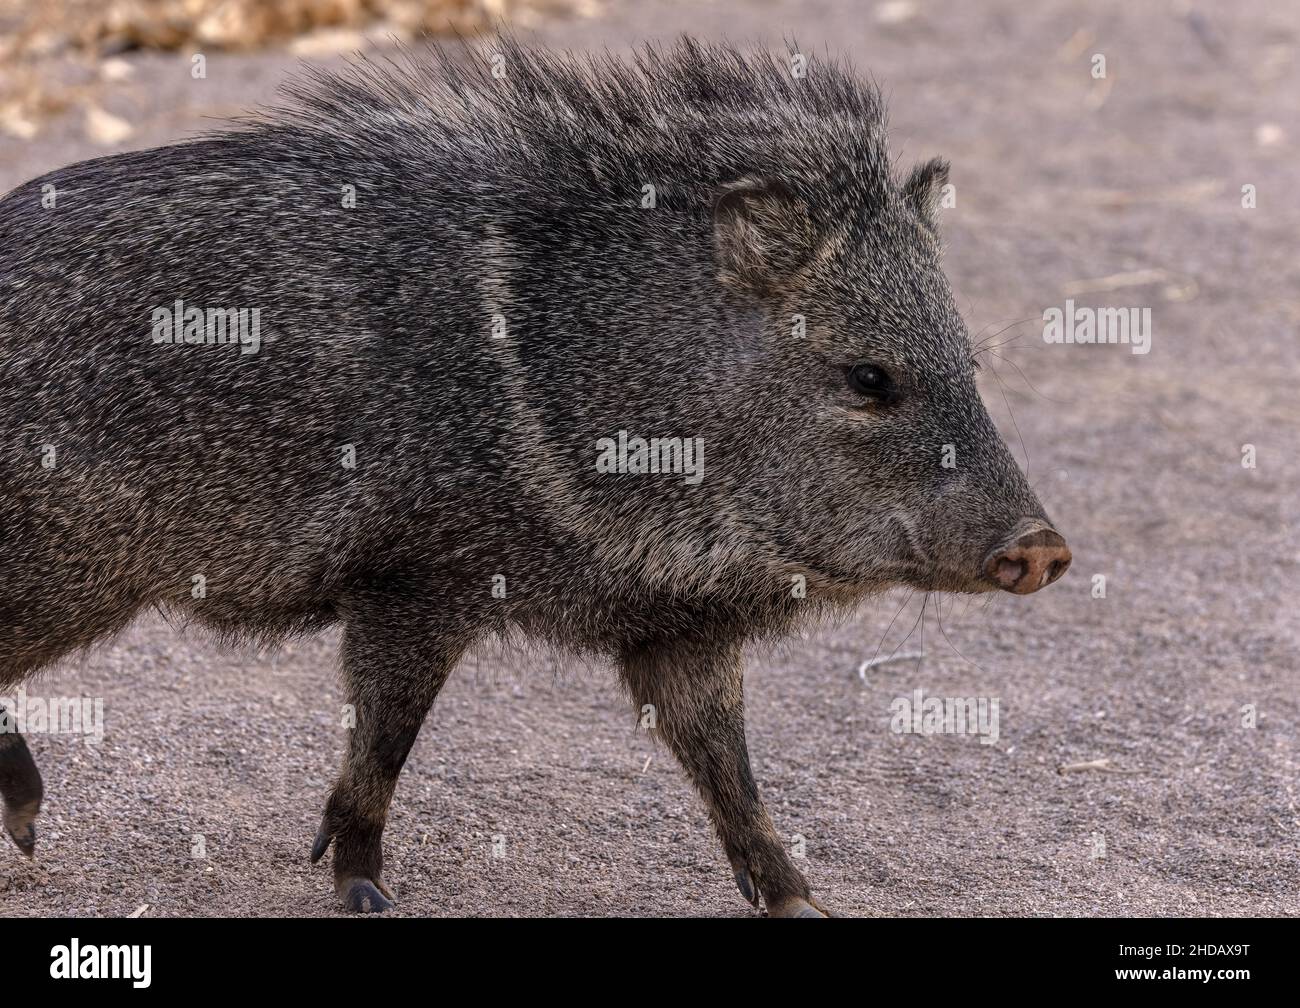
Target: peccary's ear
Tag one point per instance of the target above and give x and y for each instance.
(924, 188)
(762, 234)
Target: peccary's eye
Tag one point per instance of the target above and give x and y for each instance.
(869, 380)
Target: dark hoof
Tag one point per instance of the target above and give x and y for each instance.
(793, 906)
(745, 883)
(20, 789)
(23, 835)
(362, 896)
(321, 844)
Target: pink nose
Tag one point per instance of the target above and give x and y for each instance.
(1033, 559)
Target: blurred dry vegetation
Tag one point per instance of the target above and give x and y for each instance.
(40, 39)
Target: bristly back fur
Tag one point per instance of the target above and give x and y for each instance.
(683, 116)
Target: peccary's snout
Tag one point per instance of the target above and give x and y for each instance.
(1032, 557)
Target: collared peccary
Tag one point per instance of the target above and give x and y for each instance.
(420, 353)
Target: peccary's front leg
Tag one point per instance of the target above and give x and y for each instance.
(395, 660)
(696, 689)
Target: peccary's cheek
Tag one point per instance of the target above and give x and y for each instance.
(963, 488)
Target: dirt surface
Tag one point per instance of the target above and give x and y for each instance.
(1060, 179)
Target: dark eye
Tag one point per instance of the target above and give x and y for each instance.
(869, 380)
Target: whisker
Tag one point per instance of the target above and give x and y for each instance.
(1011, 413)
(979, 347)
(1036, 390)
(885, 635)
(939, 613)
(919, 620)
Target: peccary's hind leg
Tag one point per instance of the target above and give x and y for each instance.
(395, 660)
(697, 692)
(20, 787)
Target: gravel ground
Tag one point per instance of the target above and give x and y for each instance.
(1061, 180)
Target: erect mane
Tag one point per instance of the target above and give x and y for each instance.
(687, 114)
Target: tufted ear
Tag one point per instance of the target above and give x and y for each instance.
(762, 235)
(923, 190)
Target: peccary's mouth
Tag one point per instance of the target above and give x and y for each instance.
(941, 579)
(917, 569)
